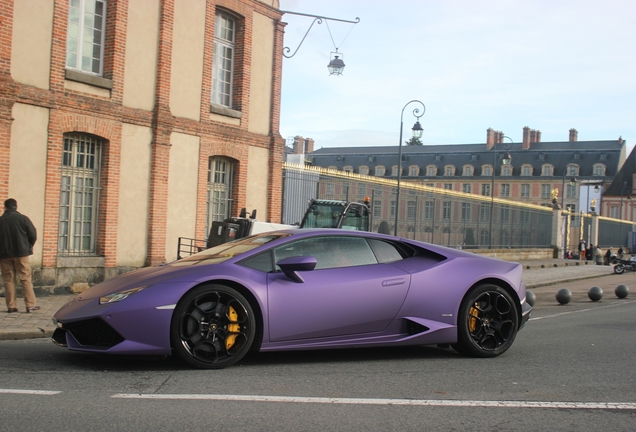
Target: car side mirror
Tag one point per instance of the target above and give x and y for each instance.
(292, 265)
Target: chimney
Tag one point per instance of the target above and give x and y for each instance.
(309, 145)
(526, 138)
(490, 138)
(298, 145)
(574, 135)
(499, 137)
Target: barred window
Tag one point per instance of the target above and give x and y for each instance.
(219, 193)
(79, 195)
(85, 35)
(223, 62)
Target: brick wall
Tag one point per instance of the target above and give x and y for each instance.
(77, 111)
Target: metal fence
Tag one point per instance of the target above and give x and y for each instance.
(425, 213)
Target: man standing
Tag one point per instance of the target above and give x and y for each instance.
(17, 237)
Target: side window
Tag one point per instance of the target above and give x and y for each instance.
(262, 262)
(385, 251)
(330, 252)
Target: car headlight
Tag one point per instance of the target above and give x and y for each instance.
(119, 296)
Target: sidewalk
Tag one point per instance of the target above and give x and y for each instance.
(540, 273)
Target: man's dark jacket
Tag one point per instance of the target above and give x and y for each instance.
(17, 235)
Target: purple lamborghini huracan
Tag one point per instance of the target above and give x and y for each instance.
(298, 290)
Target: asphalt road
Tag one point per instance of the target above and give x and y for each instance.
(571, 368)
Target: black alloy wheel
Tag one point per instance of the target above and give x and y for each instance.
(487, 323)
(213, 327)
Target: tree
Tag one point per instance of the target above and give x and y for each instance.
(413, 141)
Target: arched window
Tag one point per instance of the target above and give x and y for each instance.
(394, 170)
(506, 170)
(547, 170)
(379, 170)
(468, 170)
(363, 170)
(486, 170)
(348, 169)
(526, 170)
(573, 170)
(431, 170)
(79, 193)
(449, 170)
(414, 170)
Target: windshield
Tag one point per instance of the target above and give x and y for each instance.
(225, 251)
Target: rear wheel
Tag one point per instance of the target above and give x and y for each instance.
(213, 327)
(487, 323)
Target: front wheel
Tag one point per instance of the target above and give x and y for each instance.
(213, 327)
(487, 323)
(619, 269)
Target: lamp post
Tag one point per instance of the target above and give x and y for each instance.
(417, 133)
(506, 161)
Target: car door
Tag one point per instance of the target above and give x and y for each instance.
(347, 293)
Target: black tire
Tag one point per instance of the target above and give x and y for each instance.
(619, 269)
(487, 323)
(213, 327)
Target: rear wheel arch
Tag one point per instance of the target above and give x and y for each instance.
(500, 283)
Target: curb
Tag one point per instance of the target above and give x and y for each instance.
(560, 281)
(18, 334)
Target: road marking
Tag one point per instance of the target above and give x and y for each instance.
(408, 402)
(581, 310)
(32, 392)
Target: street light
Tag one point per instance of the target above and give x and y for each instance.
(506, 161)
(417, 133)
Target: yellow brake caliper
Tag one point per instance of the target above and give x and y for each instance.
(473, 315)
(233, 327)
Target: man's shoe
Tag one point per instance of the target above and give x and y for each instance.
(11, 310)
(33, 309)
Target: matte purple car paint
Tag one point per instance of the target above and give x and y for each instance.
(358, 306)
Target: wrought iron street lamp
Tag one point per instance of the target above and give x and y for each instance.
(336, 64)
(417, 133)
(505, 161)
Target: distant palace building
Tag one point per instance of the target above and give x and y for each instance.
(536, 168)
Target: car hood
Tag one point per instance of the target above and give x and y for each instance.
(146, 277)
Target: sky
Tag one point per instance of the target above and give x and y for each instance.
(551, 65)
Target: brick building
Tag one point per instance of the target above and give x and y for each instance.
(536, 168)
(125, 124)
